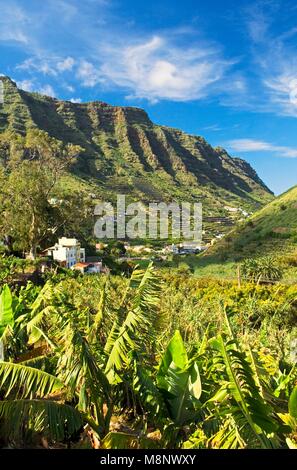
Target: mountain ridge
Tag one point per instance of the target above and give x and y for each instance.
(124, 151)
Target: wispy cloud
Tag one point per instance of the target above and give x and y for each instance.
(49, 66)
(13, 15)
(275, 56)
(41, 66)
(66, 64)
(171, 64)
(251, 145)
(88, 74)
(100, 50)
(158, 69)
(32, 85)
(213, 128)
(75, 100)
(47, 90)
(27, 85)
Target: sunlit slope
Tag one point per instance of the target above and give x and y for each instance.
(272, 229)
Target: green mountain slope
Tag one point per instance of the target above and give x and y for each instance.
(124, 152)
(271, 230)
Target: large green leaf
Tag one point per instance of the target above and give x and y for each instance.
(195, 387)
(175, 354)
(55, 420)
(241, 385)
(6, 310)
(178, 380)
(293, 403)
(22, 381)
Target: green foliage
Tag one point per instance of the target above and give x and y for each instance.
(264, 269)
(6, 312)
(122, 151)
(163, 358)
(33, 206)
(250, 409)
(178, 380)
(25, 382)
(271, 231)
(125, 336)
(24, 418)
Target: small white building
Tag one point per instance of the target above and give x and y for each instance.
(88, 268)
(231, 209)
(67, 251)
(187, 248)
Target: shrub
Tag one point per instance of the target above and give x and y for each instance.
(184, 269)
(265, 269)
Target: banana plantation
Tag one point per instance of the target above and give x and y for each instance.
(97, 364)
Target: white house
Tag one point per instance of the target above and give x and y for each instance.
(67, 251)
(89, 268)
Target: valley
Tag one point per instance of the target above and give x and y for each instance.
(139, 343)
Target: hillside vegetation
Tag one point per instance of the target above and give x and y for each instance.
(124, 152)
(271, 230)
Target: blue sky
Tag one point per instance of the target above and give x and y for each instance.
(226, 70)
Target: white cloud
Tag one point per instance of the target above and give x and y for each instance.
(13, 23)
(283, 92)
(251, 145)
(27, 85)
(34, 64)
(88, 74)
(69, 88)
(66, 64)
(158, 69)
(170, 64)
(258, 21)
(213, 128)
(14, 36)
(275, 58)
(75, 100)
(47, 90)
(52, 66)
(31, 85)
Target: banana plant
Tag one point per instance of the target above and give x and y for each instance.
(11, 335)
(171, 395)
(6, 316)
(254, 419)
(178, 380)
(290, 420)
(89, 372)
(32, 404)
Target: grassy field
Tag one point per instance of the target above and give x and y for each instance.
(201, 267)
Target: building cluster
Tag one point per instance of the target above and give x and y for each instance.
(69, 254)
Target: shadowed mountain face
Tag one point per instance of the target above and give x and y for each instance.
(124, 152)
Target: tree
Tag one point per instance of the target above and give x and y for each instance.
(32, 168)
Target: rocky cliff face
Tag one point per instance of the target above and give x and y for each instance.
(123, 151)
